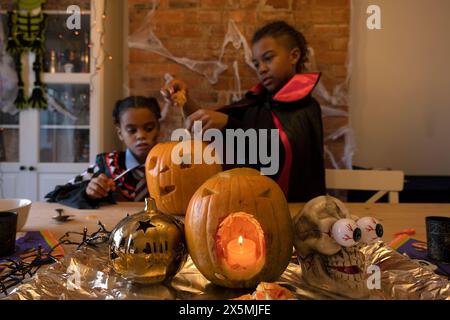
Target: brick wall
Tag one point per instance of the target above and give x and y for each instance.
(196, 29)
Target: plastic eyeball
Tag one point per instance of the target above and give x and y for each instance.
(371, 229)
(346, 232)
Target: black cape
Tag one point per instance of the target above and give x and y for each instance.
(298, 117)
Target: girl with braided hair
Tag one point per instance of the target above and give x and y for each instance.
(137, 125)
(283, 101)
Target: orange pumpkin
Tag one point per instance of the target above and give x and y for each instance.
(172, 185)
(239, 230)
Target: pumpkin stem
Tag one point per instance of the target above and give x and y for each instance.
(150, 205)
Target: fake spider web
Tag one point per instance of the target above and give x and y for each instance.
(144, 38)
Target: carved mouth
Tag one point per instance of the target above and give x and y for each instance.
(347, 269)
(166, 190)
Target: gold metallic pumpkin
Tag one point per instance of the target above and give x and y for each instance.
(148, 247)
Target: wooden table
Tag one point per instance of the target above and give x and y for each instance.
(394, 217)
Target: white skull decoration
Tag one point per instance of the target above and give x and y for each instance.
(327, 244)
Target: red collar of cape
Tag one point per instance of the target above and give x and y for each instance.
(300, 86)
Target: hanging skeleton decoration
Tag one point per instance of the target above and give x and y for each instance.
(327, 241)
(27, 27)
(8, 77)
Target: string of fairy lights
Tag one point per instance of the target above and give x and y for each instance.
(101, 55)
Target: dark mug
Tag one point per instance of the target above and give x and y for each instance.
(8, 226)
(438, 238)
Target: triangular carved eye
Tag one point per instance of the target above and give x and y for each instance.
(266, 194)
(166, 190)
(208, 192)
(164, 169)
(152, 163)
(185, 165)
(181, 154)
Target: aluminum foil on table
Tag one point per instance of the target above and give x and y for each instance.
(86, 274)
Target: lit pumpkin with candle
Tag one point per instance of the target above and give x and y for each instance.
(172, 185)
(238, 229)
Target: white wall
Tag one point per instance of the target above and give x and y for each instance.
(400, 87)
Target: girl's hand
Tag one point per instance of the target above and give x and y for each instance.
(99, 187)
(210, 119)
(175, 85)
(175, 91)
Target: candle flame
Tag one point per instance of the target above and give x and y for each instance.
(240, 240)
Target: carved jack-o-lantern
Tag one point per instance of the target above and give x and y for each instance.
(172, 185)
(238, 229)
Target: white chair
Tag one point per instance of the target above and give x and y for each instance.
(383, 181)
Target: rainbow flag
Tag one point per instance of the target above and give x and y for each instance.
(417, 251)
(27, 246)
